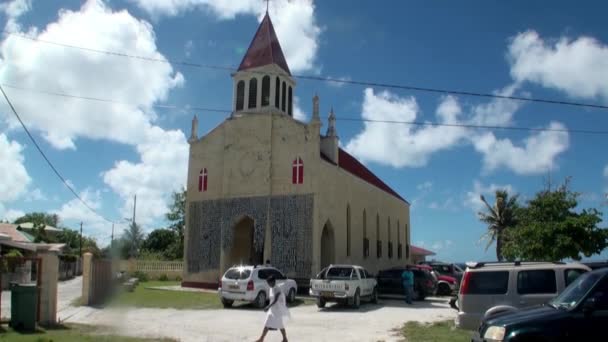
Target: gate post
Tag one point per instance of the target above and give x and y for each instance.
(87, 261)
(48, 288)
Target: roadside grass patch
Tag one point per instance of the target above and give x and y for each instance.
(444, 331)
(68, 333)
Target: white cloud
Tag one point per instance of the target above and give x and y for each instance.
(35, 195)
(13, 10)
(339, 83)
(188, 48)
(15, 179)
(425, 186)
(473, 200)
(443, 244)
(536, 155)
(10, 215)
(402, 145)
(294, 21)
(136, 82)
(73, 212)
(497, 112)
(27, 64)
(298, 112)
(577, 67)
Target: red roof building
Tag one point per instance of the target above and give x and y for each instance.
(264, 49)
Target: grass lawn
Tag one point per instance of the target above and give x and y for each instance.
(434, 332)
(65, 333)
(143, 297)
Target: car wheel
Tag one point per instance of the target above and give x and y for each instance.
(260, 300)
(227, 303)
(320, 303)
(444, 290)
(291, 297)
(357, 300)
(375, 296)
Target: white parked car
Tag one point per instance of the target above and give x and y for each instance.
(344, 284)
(248, 284)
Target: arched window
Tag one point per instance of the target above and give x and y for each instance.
(266, 91)
(202, 180)
(378, 241)
(253, 93)
(240, 95)
(388, 234)
(290, 104)
(365, 239)
(277, 93)
(347, 230)
(283, 94)
(297, 171)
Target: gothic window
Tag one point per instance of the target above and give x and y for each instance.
(290, 104)
(253, 93)
(407, 243)
(240, 95)
(388, 234)
(277, 93)
(202, 180)
(297, 171)
(378, 241)
(266, 91)
(365, 239)
(399, 246)
(283, 94)
(347, 230)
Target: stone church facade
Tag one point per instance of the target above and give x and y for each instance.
(264, 186)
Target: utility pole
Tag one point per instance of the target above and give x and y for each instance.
(80, 240)
(134, 207)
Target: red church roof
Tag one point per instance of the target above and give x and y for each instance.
(264, 49)
(420, 251)
(353, 166)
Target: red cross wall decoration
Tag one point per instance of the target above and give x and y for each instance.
(202, 180)
(297, 168)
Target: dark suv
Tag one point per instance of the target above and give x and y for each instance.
(390, 282)
(580, 313)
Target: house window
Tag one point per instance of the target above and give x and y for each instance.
(290, 104)
(347, 230)
(283, 94)
(398, 241)
(240, 95)
(297, 171)
(390, 249)
(365, 239)
(202, 180)
(253, 93)
(266, 91)
(378, 241)
(277, 93)
(388, 234)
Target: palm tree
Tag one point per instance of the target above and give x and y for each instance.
(133, 238)
(499, 217)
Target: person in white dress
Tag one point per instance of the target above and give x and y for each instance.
(275, 311)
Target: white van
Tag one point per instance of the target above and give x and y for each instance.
(491, 288)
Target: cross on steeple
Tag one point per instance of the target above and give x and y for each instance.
(267, 2)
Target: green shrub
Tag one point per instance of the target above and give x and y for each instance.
(163, 277)
(140, 275)
(178, 278)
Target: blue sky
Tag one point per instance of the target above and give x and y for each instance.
(111, 151)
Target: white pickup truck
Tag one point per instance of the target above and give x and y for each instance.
(346, 284)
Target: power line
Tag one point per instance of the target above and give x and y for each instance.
(412, 123)
(47, 159)
(316, 78)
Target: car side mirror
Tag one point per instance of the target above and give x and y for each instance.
(589, 305)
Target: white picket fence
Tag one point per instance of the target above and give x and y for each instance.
(152, 268)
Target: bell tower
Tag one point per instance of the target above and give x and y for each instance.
(263, 82)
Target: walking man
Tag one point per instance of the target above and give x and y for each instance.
(408, 283)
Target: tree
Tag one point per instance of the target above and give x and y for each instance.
(39, 219)
(499, 218)
(132, 239)
(550, 229)
(159, 240)
(177, 221)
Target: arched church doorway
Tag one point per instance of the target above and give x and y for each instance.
(242, 251)
(327, 245)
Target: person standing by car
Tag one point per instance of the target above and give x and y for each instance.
(275, 311)
(407, 278)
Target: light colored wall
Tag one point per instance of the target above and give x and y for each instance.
(337, 189)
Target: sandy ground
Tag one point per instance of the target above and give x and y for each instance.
(308, 323)
(67, 292)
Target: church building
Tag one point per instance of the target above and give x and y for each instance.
(265, 186)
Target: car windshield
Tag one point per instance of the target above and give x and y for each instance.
(340, 273)
(574, 293)
(237, 274)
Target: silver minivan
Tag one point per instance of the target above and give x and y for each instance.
(491, 288)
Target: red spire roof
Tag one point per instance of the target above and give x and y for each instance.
(264, 49)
